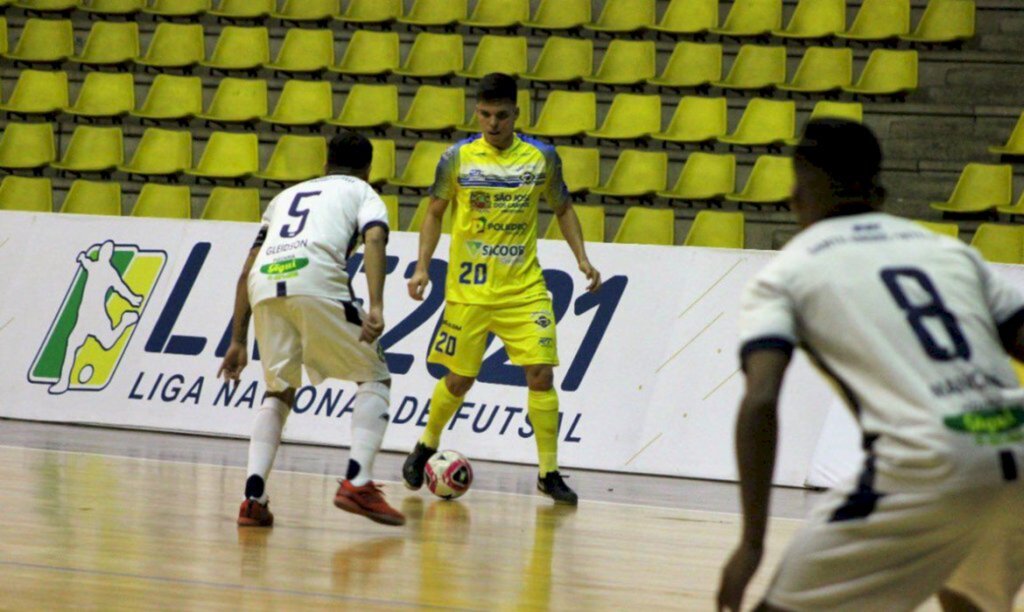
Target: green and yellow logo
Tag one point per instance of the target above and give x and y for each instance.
(994, 421)
(287, 266)
(99, 315)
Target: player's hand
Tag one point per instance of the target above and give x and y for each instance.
(736, 576)
(418, 284)
(592, 275)
(373, 325)
(234, 362)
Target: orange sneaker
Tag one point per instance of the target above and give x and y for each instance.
(367, 500)
(254, 514)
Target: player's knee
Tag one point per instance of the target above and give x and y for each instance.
(458, 385)
(540, 378)
(381, 389)
(952, 601)
(287, 396)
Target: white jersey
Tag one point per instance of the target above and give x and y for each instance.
(311, 229)
(908, 324)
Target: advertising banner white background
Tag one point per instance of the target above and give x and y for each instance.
(649, 379)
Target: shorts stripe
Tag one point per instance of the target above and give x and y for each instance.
(1009, 464)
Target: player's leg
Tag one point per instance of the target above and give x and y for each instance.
(75, 342)
(459, 345)
(107, 338)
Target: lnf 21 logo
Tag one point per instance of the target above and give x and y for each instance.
(98, 317)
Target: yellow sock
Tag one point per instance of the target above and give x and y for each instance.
(543, 409)
(442, 406)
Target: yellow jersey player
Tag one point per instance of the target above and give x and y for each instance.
(495, 283)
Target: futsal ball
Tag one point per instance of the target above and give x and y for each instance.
(448, 474)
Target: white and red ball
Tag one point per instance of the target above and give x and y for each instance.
(448, 474)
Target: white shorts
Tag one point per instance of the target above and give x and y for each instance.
(318, 333)
(908, 547)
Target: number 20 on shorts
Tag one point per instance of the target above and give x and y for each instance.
(445, 343)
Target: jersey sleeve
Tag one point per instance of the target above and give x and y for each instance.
(1005, 302)
(767, 314)
(268, 215)
(372, 212)
(446, 175)
(556, 194)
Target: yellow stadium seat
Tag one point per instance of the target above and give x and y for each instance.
(172, 97)
(369, 54)
(626, 62)
(1000, 243)
(237, 101)
(228, 156)
(296, 158)
(1013, 211)
(177, 8)
(174, 45)
(647, 226)
(435, 13)
(721, 230)
(110, 44)
(421, 212)
(560, 15)
(307, 10)
(497, 54)
(38, 93)
(852, 111)
(822, 70)
(697, 120)
(495, 14)
(981, 187)
(164, 201)
(691, 65)
(231, 204)
(435, 109)
(879, 20)
(751, 18)
(303, 103)
(591, 220)
(770, 182)
(631, 117)
(946, 229)
(887, 72)
(304, 51)
(1015, 144)
(383, 165)
(104, 95)
(366, 12)
(391, 203)
(433, 56)
(47, 6)
(566, 114)
(756, 68)
(44, 41)
(122, 8)
(581, 168)
(369, 106)
(161, 153)
(421, 166)
(252, 10)
(944, 21)
(92, 149)
(636, 174)
(3, 36)
(691, 17)
(705, 176)
(624, 16)
(472, 125)
(93, 198)
(239, 48)
(27, 146)
(563, 60)
(815, 19)
(19, 193)
(764, 122)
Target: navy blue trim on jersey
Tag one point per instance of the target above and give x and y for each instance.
(1008, 463)
(864, 499)
(282, 289)
(261, 237)
(352, 314)
(765, 343)
(540, 144)
(1009, 328)
(371, 224)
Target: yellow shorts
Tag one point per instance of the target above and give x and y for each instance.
(527, 330)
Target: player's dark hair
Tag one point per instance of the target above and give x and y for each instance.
(848, 153)
(349, 152)
(496, 87)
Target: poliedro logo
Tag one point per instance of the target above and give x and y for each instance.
(98, 317)
(483, 225)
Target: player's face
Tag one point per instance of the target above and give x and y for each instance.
(497, 122)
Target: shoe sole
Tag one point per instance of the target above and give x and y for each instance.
(409, 485)
(346, 504)
(248, 522)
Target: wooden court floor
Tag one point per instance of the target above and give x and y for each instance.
(95, 531)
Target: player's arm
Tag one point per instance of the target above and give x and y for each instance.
(569, 223)
(430, 233)
(375, 240)
(237, 356)
(123, 290)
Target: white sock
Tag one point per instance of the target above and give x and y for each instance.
(266, 437)
(369, 422)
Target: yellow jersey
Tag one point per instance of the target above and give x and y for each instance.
(494, 195)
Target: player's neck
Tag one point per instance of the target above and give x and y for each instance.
(504, 145)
